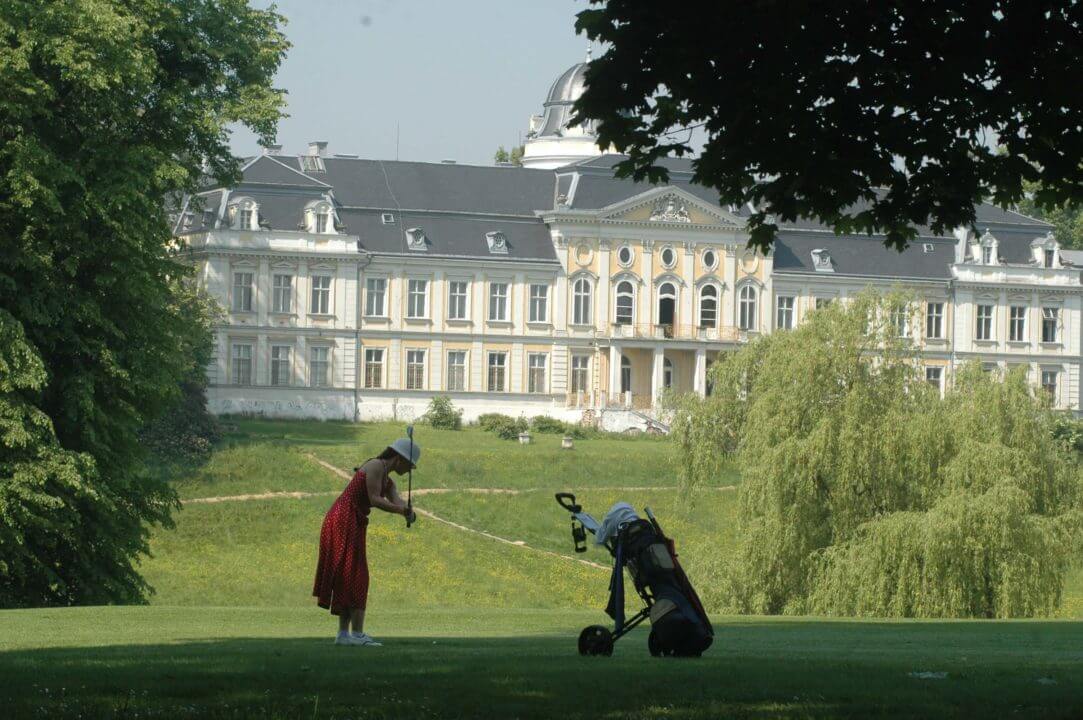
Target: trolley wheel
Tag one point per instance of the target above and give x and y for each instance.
(652, 645)
(596, 640)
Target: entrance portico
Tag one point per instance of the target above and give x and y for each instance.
(640, 373)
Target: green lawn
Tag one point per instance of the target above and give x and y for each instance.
(506, 663)
(477, 628)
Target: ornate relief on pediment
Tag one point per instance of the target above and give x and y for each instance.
(670, 209)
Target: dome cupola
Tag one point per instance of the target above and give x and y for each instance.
(551, 140)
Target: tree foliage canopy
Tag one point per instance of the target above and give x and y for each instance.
(865, 493)
(869, 117)
(108, 108)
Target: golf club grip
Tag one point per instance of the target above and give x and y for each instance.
(567, 501)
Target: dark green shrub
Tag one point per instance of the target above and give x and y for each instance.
(491, 421)
(547, 425)
(443, 414)
(510, 430)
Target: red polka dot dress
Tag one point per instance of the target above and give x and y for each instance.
(342, 573)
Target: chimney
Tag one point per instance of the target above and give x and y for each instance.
(318, 147)
(272, 150)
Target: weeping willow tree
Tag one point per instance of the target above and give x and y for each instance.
(865, 493)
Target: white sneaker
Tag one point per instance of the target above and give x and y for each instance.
(364, 639)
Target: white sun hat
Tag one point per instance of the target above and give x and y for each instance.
(403, 447)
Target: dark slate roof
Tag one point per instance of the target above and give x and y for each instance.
(444, 187)
(864, 256)
(272, 171)
(1013, 244)
(451, 234)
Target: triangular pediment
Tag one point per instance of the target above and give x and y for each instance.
(671, 207)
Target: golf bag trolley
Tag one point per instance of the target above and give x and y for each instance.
(679, 625)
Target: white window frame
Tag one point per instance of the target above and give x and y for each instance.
(458, 301)
(320, 296)
(709, 266)
(618, 296)
(374, 360)
(784, 310)
(582, 302)
(371, 293)
(501, 368)
(714, 311)
(242, 295)
(1053, 388)
(236, 359)
(934, 320)
(499, 292)
(417, 293)
(538, 364)
(1050, 313)
(539, 303)
(747, 308)
(938, 371)
(984, 322)
(900, 321)
(278, 378)
(315, 378)
(631, 255)
(580, 376)
(416, 367)
(1017, 323)
(662, 257)
(461, 368)
(282, 294)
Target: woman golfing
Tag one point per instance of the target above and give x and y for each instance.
(342, 574)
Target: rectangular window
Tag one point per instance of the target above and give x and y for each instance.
(320, 367)
(1049, 256)
(415, 369)
(539, 303)
(900, 321)
(1017, 323)
(456, 370)
(375, 291)
(822, 302)
(498, 301)
(242, 364)
(321, 222)
(456, 300)
(934, 320)
(987, 255)
(1049, 382)
(497, 367)
(934, 376)
(282, 294)
(321, 295)
(1049, 324)
(784, 313)
(374, 367)
(417, 299)
(280, 364)
(242, 292)
(536, 373)
(983, 329)
(580, 373)
(246, 223)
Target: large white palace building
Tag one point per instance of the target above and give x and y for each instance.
(359, 289)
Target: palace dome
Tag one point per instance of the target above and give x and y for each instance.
(551, 140)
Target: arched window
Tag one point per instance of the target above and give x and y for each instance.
(581, 302)
(747, 316)
(244, 214)
(667, 304)
(625, 314)
(625, 374)
(708, 306)
(667, 373)
(319, 218)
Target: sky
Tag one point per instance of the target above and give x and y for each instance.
(458, 78)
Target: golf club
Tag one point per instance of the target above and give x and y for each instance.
(410, 479)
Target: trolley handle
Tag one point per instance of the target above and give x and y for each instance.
(567, 501)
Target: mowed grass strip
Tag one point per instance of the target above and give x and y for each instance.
(264, 552)
(279, 663)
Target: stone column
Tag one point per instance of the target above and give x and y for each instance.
(699, 373)
(657, 375)
(614, 373)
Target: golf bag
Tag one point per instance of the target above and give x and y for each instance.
(679, 625)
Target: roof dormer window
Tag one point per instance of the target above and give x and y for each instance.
(319, 218)
(387, 218)
(498, 242)
(243, 214)
(986, 250)
(821, 260)
(1045, 251)
(416, 240)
